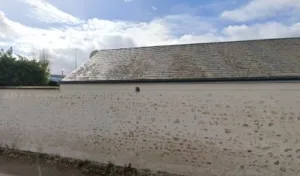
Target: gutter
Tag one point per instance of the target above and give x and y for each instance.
(196, 80)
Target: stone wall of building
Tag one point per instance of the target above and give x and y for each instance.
(187, 128)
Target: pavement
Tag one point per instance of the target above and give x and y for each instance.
(22, 163)
(20, 167)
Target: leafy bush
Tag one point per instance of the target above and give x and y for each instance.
(19, 71)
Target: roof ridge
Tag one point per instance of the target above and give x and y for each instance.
(205, 43)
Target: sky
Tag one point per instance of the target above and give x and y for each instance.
(77, 27)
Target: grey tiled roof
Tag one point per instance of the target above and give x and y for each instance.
(256, 58)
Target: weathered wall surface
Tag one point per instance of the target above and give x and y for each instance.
(193, 129)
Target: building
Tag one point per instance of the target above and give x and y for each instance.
(273, 59)
(55, 79)
(226, 108)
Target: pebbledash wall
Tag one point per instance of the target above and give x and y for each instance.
(188, 128)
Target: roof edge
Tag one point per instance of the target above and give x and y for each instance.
(237, 79)
(214, 42)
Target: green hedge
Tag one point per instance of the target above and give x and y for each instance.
(21, 71)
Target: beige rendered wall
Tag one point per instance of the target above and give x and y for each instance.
(192, 129)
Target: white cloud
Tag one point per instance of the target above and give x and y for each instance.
(2, 15)
(5, 28)
(261, 31)
(185, 24)
(128, 0)
(45, 12)
(257, 9)
(154, 8)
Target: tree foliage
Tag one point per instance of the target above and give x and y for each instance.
(19, 71)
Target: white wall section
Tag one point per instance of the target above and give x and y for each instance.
(193, 129)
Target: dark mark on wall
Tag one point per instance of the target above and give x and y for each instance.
(227, 131)
(137, 89)
(175, 139)
(273, 112)
(287, 150)
(282, 169)
(266, 148)
(177, 121)
(282, 118)
(270, 154)
(218, 105)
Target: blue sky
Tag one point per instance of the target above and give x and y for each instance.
(140, 10)
(60, 26)
(137, 10)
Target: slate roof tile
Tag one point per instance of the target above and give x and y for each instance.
(253, 58)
